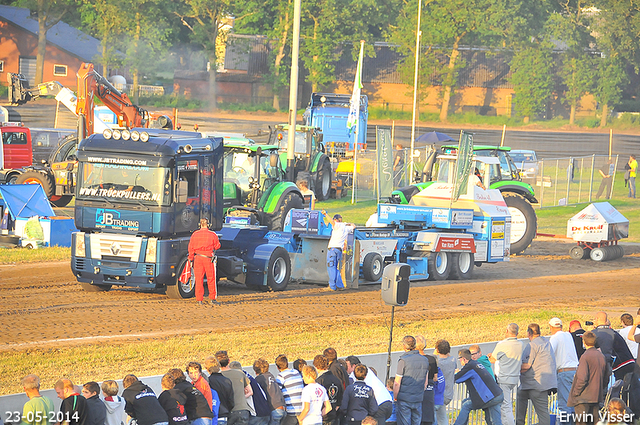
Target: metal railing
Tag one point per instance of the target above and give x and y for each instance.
(573, 180)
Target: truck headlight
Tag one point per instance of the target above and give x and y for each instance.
(79, 246)
(152, 245)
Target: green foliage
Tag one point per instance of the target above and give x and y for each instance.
(170, 101)
(532, 79)
(4, 91)
(265, 107)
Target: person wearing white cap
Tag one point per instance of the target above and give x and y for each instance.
(566, 364)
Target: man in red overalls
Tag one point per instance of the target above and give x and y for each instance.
(202, 247)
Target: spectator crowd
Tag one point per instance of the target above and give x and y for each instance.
(575, 363)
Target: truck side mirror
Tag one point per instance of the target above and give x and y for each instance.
(182, 191)
(273, 160)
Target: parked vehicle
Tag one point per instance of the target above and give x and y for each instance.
(526, 161)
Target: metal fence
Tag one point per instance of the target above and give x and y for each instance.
(573, 180)
(476, 417)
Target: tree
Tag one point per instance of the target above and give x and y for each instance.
(206, 20)
(450, 24)
(532, 79)
(147, 34)
(103, 19)
(609, 79)
(48, 13)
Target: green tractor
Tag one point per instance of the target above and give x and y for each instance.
(254, 183)
(517, 194)
(311, 161)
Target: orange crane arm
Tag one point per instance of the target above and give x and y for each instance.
(91, 84)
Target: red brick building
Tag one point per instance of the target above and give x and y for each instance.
(67, 48)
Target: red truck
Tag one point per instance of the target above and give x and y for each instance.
(16, 150)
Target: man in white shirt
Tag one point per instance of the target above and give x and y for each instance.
(337, 245)
(566, 363)
(627, 321)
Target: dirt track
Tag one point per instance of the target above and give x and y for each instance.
(42, 305)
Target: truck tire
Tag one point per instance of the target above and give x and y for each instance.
(95, 288)
(291, 200)
(36, 177)
(323, 180)
(62, 201)
(182, 290)
(279, 269)
(462, 265)
(524, 223)
(439, 265)
(372, 266)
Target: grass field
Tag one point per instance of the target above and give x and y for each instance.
(144, 358)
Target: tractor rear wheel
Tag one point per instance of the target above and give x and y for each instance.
(291, 200)
(323, 180)
(524, 223)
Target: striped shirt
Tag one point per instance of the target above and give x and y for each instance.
(291, 383)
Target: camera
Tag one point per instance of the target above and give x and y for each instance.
(588, 323)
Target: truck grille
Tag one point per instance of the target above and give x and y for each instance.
(80, 263)
(115, 247)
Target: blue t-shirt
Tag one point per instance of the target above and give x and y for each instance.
(392, 418)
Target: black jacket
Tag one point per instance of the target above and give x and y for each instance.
(143, 405)
(96, 411)
(224, 388)
(172, 402)
(196, 406)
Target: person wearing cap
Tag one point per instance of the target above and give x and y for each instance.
(566, 363)
(575, 328)
(337, 245)
(537, 377)
(202, 247)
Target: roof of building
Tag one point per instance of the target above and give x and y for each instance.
(61, 35)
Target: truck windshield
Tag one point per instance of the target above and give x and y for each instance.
(240, 165)
(116, 182)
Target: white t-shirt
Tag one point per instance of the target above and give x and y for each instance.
(339, 235)
(633, 346)
(564, 349)
(315, 395)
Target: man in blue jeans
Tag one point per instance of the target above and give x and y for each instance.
(484, 392)
(410, 383)
(337, 245)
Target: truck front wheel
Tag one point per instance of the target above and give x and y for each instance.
(524, 223)
(95, 288)
(279, 269)
(182, 290)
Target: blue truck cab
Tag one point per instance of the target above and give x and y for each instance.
(140, 195)
(329, 112)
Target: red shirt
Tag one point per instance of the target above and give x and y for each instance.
(203, 242)
(203, 386)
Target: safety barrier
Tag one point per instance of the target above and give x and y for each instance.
(378, 361)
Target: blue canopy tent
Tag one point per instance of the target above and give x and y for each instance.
(26, 200)
(433, 137)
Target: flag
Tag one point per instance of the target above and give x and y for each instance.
(185, 276)
(463, 164)
(354, 103)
